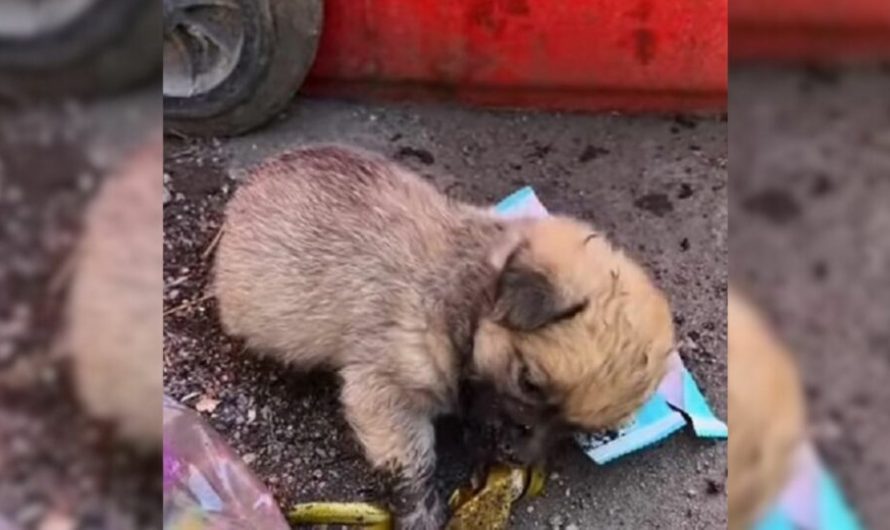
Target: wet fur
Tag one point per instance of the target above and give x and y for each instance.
(333, 257)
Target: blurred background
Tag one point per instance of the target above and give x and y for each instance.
(810, 213)
(80, 105)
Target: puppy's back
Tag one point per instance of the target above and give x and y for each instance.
(318, 243)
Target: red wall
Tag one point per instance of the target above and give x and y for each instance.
(627, 55)
(816, 30)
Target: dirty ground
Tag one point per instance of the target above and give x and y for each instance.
(658, 185)
(809, 198)
(58, 467)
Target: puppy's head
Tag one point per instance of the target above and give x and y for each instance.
(578, 337)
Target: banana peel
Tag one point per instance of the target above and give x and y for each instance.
(489, 507)
(363, 515)
(475, 508)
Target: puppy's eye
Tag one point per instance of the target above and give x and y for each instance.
(570, 312)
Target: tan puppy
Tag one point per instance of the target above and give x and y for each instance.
(766, 414)
(333, 257)
(115, 307)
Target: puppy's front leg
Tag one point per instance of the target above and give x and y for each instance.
(399, 439)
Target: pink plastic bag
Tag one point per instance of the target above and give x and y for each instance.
(206, 485)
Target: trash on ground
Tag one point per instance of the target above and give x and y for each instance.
(489, 507)
(359, 514)
(206, 485)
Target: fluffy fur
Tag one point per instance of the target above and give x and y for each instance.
(337, 258)
(766, 414)
(115, 307)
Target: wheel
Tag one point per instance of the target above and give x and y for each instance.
(231, 65)
(77, 47)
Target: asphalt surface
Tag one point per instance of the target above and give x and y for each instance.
(810, 203)
(657, 185)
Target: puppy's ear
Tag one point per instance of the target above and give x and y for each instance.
(525, 299)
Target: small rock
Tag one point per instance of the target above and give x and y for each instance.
(690, 493)
(237, 174)
(556, 521)
(167, 196)
(530, 509)
(317, 474)
(206, 404)
(320, 452)
(249, 458)
(572, 526)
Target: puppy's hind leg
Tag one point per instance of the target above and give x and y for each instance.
(400, 440)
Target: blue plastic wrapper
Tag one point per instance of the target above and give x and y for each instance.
(811, 500)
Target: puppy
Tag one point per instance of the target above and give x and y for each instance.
(766, 414)
(114, 313)
(332, 257)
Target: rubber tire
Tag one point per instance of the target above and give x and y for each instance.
(113, 46)
(273, 64)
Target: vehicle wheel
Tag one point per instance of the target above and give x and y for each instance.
(231, 65)
(77, 47)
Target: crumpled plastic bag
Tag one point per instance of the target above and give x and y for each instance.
(206, 485)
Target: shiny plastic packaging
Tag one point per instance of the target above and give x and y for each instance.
(206, 485)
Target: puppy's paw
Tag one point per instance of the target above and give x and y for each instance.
(431, 514)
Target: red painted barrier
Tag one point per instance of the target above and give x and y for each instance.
(594, 55)
(812, 30)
